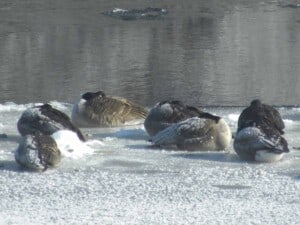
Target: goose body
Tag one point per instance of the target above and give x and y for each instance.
(259, 134)
(95, 109)
(196, 133)
(167, 113)
(45, 119)
(37, 152)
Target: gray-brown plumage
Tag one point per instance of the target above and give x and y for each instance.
(167, 113)
(260, 114)
(38, 152)
(259, 134)
(98, 110)
(203, 133)
(47, 120)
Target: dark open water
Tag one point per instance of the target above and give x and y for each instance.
(209, 52)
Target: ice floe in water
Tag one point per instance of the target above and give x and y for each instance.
(136, 14)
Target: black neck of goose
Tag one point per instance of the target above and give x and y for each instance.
(256, 103)
(45, 106)
(91, 95)
(100, 93)
(209, 116)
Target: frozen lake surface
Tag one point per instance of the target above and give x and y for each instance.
(125, 181)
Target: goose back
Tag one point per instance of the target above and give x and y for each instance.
(261, 115)
(99, 110)
(196, 133)
(46, 120)
(167, 113)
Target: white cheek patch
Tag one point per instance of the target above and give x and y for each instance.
(80, 105)
(166, 108)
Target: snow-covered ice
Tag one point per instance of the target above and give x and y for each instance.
(125, 181)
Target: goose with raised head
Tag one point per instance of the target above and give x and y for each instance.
(167, 113)
(37, 152)
(204, 132)
(259, 134)
(96, 109)
(47, 120)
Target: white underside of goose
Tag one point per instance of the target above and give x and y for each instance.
(251, 140)
(267, 156)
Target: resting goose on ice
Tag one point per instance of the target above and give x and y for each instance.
(167, 113)
(204, 132)
(259, 134)
(95, 109)
(45, 119)
(37, 152)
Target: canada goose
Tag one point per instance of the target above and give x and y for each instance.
(37, 152)
(45, 119)
(259, 134)
(95, 109)
(167, 113)
(205, 132)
